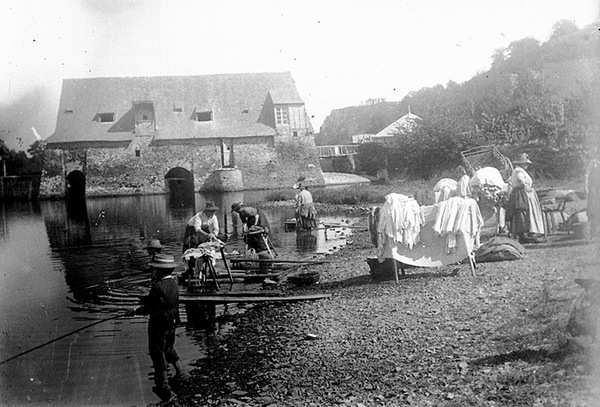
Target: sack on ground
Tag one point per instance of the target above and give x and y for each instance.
(499, 248)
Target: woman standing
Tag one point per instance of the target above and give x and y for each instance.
(523, 210)
(306, 213)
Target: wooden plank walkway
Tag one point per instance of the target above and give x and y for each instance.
(218, 299)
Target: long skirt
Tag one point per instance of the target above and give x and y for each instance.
(536, 219)
(525, 212)
(306, 217)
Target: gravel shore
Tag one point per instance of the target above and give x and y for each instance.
(439, 337)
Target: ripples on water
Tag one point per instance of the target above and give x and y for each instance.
(67, 265)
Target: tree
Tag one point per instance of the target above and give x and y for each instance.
(430, 148)
(36, 151)
(371, 157)
(563, 28)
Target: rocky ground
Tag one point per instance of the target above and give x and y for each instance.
(437, 338)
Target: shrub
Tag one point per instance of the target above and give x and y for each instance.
(281, 195)
(371, 157)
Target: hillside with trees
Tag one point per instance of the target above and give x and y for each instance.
(539, 98)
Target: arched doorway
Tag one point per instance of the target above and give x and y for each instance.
(75, 184)
(180, 184)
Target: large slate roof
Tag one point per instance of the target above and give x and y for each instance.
(236, 101)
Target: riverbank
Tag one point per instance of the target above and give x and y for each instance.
(437, 338)
(342, 178)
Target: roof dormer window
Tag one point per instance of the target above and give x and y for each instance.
(105, 117)
(203, 116)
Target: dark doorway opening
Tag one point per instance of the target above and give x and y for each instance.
(75, 185)
(180, 184)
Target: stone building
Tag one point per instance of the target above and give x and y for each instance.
(144, 135)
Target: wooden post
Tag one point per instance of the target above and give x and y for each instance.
(226, 265)
(268, 247)
(209, 269)
(64, 171)
(3, 176)
(395, 270)
(472, 264)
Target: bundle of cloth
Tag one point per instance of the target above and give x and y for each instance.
(499, 248)
(211, 250)
(488, 184)
(456, 216)
(399, 221)
(444, 189)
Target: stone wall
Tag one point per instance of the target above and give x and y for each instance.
(140, 168)
(224, 180)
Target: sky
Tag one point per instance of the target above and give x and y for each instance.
(339, 52)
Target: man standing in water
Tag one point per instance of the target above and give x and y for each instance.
(162, 304)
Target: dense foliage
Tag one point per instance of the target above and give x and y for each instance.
(355, 194)
(539, 98)
(18, 163)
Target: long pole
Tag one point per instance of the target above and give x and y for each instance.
(60, 337)
(268, 248)
(245, 260)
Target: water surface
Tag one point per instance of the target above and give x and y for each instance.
(58, 256)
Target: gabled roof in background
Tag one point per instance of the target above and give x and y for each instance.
(405, 121)
(285, 96)
(235, 100)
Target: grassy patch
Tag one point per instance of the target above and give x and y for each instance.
(280, 195)
(362, 194)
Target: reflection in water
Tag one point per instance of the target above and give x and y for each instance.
(306, 241)
(181, 199)
(66, 264)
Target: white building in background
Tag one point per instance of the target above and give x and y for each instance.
(406, 122)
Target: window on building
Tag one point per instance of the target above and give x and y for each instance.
(245, 110)
(137, 152)
(177, 109)
(106, 117)
(295, 133)
(281, 115)
(203, 116)
(297, 117)
(69, 111)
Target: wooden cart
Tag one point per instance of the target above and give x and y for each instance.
(486, 156)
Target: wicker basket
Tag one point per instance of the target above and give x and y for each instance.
(307, 278)
(383, 270)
